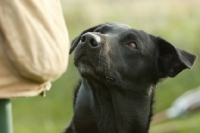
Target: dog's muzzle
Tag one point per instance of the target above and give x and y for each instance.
(90, 39)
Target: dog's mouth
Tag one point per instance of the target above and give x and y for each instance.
(92, 67)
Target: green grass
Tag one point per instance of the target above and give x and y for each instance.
(176, 21)
(187, 124)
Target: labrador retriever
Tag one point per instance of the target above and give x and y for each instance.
(120, 68)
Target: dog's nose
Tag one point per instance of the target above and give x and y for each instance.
(91, 39)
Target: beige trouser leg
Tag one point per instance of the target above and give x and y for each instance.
(12, 85)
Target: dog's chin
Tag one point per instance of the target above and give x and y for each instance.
(85, 70)
(88, 71)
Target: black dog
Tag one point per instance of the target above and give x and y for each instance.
(120, 68)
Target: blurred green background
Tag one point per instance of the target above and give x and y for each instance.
(178, 21)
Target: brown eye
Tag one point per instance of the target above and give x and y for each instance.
(132, 45)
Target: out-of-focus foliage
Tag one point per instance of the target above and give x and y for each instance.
(177, 21)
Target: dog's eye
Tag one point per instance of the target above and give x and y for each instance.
(132, 45)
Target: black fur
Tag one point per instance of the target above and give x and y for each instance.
(119, 68)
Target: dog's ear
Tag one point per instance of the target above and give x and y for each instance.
(77, 39)
(171, 60)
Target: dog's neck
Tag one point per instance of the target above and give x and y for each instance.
(114, 109)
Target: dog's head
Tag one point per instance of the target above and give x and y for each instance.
(116, 53)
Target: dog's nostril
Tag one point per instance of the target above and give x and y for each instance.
(93, 43)
(83, 38)
(90, 39)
